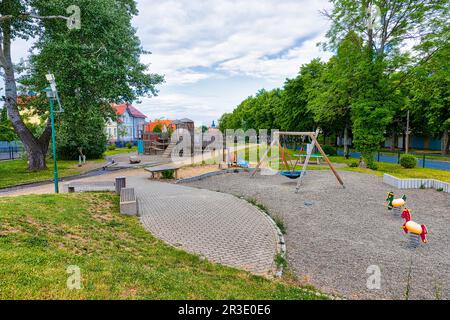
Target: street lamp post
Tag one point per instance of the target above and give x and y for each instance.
(51, 94)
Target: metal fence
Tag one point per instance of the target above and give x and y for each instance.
(431, 161)
(11, 150)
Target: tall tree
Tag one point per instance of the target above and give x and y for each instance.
(294, 113)
(338, 89)
(385, 26)
(94, 65)
(21, 19)
(430, 96)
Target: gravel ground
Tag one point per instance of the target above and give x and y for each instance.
(332, 243)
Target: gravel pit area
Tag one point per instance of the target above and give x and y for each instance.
(334, 235)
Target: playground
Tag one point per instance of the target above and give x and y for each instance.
(335, 234)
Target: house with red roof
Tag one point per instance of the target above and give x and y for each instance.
(163, 125)
(129, 125)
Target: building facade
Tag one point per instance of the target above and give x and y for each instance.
(129, 125)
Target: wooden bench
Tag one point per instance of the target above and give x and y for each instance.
(157, 171)
(128, 202)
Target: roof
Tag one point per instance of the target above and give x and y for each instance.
(184, 120)
(151, 125)
(120, 110)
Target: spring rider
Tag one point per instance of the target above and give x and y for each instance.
(395, 204)
(415, 230)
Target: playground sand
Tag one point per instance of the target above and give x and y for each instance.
(346, 235)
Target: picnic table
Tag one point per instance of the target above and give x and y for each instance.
(318, 157)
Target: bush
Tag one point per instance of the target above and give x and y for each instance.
(111, 147)
(353, 164)
(408, 161)
(168, 174)
(129, 145)
(329, 150)
(372, 166)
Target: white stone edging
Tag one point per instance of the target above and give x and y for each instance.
(416, 183)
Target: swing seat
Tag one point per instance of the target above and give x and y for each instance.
(291, 174)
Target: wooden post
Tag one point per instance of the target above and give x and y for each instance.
(313, 137)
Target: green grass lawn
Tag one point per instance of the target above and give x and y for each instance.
(396, 170)
(429, 154)
(40, 236)
(15, 172)
(109, 153)
(393, 169)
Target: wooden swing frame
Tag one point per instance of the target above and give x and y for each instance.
(313, 136)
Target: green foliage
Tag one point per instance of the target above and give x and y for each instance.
(329, 150)
(168, 174)
(370, 82)
(81, 133)
(372, 166)
(6, 130)
(129, 145)
(353, 164)
(94, 66)
(157, 128)
(408, 161)
(111, 147)
(258, 112)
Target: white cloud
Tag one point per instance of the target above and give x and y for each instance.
(229, 36)
(201, 109)
(215, 53)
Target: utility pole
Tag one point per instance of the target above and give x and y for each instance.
(408, 132)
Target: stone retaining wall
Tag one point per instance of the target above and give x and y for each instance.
(416, 183)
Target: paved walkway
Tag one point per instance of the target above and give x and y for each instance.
(220, 227)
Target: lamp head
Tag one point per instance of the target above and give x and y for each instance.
(50, 93)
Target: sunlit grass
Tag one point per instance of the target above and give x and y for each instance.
(15, 172)
(40, 236)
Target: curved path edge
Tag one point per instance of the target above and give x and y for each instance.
(219, 227)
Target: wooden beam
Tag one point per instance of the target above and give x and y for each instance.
(338, 177)
(280, 133)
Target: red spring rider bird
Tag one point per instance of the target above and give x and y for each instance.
(415, 228)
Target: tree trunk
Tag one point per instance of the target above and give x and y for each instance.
(394, 141)
(346, 140)
(36, 148)
(445, 142)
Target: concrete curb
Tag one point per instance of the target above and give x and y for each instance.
(416, 183)
(212, 174)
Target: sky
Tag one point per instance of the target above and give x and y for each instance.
(216, 53)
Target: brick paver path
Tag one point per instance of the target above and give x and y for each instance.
(217, 226)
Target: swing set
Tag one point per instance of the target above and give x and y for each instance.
(291, 161)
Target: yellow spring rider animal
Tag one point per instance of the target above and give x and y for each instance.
(395, 203)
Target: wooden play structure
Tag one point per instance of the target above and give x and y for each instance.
(292, 162)
(163, 143)
(155, 143)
